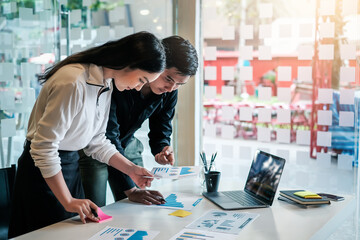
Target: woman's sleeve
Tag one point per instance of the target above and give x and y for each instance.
(100, 148)
(63, 102)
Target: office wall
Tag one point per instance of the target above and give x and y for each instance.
(283, 77)
(36, 34)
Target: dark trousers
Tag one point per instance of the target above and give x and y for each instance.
(34, 205)
(95, 175)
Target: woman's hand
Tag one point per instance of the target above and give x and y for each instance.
(141, 176)
(83, 208)
(61, 191)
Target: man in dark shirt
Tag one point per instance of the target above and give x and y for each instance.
(129, 109)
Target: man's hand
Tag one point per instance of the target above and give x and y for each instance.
(166, 156)
(147, 197)
(141, 176)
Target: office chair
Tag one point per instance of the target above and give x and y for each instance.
(7, 178)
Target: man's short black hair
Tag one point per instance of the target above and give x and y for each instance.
(181, 55)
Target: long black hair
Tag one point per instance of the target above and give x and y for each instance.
(141, 50)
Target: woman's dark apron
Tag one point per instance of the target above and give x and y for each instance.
(34, 205)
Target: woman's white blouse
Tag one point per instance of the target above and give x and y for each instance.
(71, 113)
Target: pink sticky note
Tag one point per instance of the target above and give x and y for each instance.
(103, 217)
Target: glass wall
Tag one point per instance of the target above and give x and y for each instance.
(28, 39)
(283, 77)
(35, 34)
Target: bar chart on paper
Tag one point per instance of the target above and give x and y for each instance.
(179, 201)
(201, 235)
(175, 172)
(189, 171)
(166, 172)
(113, 233)
(223, 222)
(171, 201)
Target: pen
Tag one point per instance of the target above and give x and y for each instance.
(94, 212)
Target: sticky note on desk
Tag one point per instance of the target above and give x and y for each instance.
(307, 194)
(102, 216)
(180, 213)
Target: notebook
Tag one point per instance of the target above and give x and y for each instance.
(260, 188)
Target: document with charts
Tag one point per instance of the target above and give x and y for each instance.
(181, 201)
(223, 221)
(111, 233)
(175, 172)
(192, 234)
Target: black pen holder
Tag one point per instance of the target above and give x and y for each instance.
(212, 180)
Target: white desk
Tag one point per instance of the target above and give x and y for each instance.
(281, 221)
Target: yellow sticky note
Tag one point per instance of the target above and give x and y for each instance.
(180, 213)
(307, 194)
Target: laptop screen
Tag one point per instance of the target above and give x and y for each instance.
(264, 175)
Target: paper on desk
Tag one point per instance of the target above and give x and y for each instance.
(204, 235)
(111, 233)
(180, 201)
(224, 222)
(175, 172)
(180, 213)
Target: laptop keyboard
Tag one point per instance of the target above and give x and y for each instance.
(242, 198)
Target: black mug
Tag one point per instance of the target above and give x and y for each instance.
(212, 180)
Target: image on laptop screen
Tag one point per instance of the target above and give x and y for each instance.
(264, 175)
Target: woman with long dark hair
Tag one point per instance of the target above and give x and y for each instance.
(71, 113)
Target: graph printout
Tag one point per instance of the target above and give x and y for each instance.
(192, 234)
(114, 233)
(181, 201)
(166, 172)
(175, 172)
(224, 222)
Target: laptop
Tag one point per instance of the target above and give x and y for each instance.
(260, 188)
